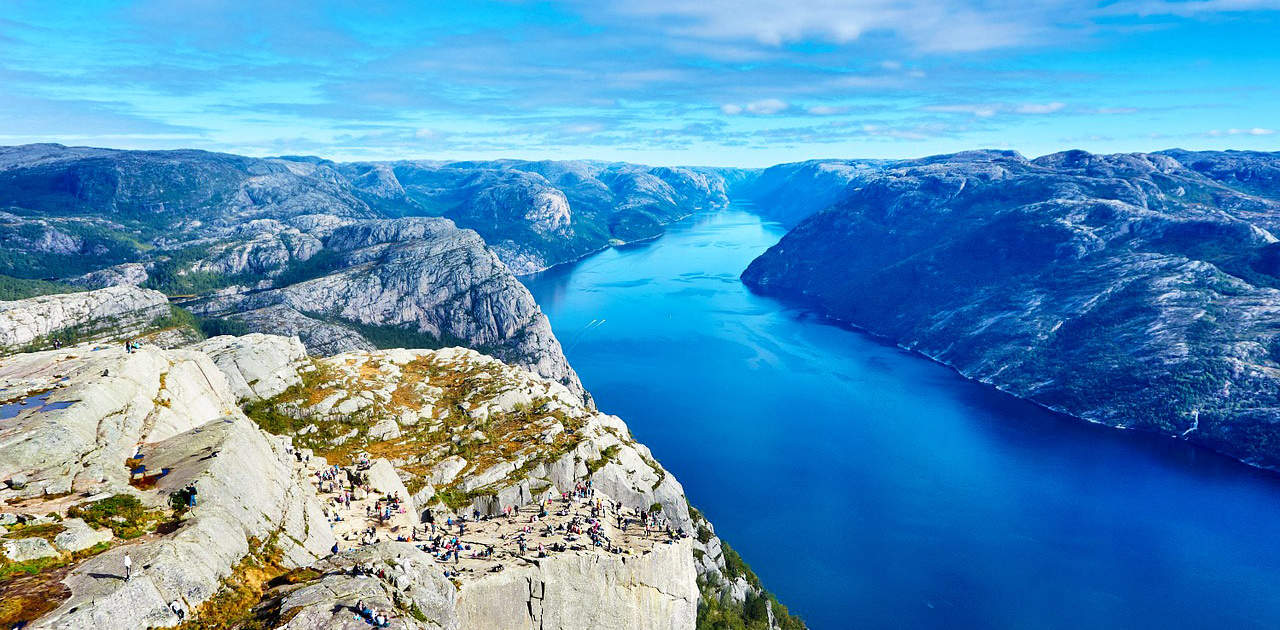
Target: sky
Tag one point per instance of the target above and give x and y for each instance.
(708, 82)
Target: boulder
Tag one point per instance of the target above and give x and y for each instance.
(256, 365)
(384, 479)
(78, 536)
(24, 549)
(413, 580)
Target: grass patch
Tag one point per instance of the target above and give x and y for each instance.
(123, 514)
(47, 531)
(30, 589)
(234, 605)
(178, 317)
(607, 455)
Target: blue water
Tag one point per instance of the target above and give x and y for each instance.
(12, 409)
(872, 488)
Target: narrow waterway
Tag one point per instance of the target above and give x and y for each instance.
(872, 488)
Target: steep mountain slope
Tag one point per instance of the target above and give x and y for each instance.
(415, 282)
(1131, 290)
(272, 245)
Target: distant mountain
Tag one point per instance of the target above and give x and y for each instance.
(68, 210)
(788, 193)
(539, 214)
(1135, 290)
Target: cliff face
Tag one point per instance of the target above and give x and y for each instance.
(1132, 290)
(587, 590)
(110, 441)
(105, 313)
(403, 282)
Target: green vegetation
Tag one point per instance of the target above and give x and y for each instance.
(123, 514)
(752, 614)
(323, 263)
(12, 288)
(235, 604)
(215, 326)
(89, 246)
(173, 274)
(47, 531)
(607, 455)
(456, 498)
(178, 317)
(387, 336)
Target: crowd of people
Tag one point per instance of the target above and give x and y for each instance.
(580, 519)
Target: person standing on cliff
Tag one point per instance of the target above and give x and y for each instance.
(128, 567)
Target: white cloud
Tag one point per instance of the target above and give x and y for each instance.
(987, 110)
(981, 111)
(1188, 8)
(1039, 108)
(826, 110)
(765, 107)
(1252, 131)
(929, 25)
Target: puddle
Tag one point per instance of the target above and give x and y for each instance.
(37, 402)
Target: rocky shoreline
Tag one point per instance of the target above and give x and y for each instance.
(1129, 290)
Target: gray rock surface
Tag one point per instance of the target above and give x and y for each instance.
(320, 337)
(413, 581)
(105, 313)
(78, 535)
(418, 281)
(256, 365)
(24, 549)
(176, 409)
(657, 590)
(125, 274)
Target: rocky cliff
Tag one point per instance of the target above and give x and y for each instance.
(72, 210)
(103, 314)
(77, 421)
(346, 256)
(416, 282)
(1135, 290)
(101, 448)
